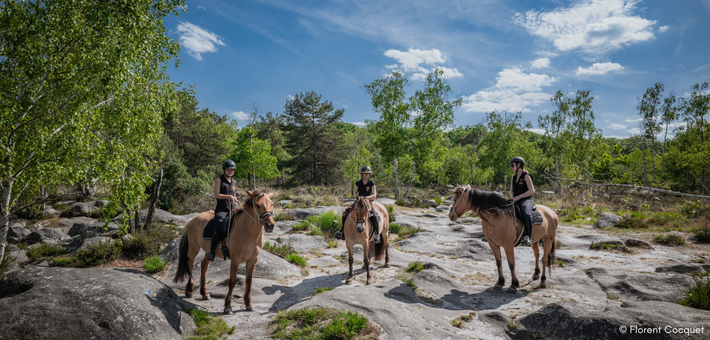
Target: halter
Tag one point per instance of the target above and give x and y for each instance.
(453, 206)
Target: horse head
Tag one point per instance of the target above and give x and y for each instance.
(362, 209)
(263, 208)
(460, 202)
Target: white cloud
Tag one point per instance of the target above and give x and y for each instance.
(546, 54)
(360, 124)
(540, 63)
(201, 7)
(634, 131)
(197, 40)
(514, 90)
(413, 59)
(634, 120)
(538, 131)
(289, 97)
(241, 115)
(599, 68)
(615, 126)
(663, 29)
(596, 27)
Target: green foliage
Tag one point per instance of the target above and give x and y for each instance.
(390, 212)
(302, 226)
(148, 241)
(5, 265)
(154, 264)
(318, 324)
(325, 222)
(44, 250)
(703, 235)
(279, 250)
(698, 296)
(401, 202)
(282, 217)
(315, 231)
(407, 231)
(609, 246)
(632, 223)
(415, 267)
(410, 284)
(395, 228)
(208, 326)
(322, 290)
(669, 240)
(296, 259)
(332, 244)
(253, 156)
(101, 253)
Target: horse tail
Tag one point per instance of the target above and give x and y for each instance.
(183, 269)
(380, 247)
(552, 257)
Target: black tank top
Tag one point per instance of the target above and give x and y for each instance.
(520, 187)
(364, 189)
(226, 188)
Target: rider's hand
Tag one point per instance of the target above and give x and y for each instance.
(233, 198)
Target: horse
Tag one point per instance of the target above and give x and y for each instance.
(357, 231)
(502, 229)
(244, 241)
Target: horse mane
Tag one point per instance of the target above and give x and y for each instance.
(249, 200)
(484, 200)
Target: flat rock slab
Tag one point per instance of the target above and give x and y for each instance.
(642, 286)
(282, 227)
(681, 268)
(385, 201)
(303, 213)
(563, 320)
(301, 242)
(93, 303)
(323, 262)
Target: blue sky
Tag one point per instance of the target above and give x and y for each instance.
(497, 54)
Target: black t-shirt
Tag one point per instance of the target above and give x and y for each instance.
(364, 189)
(226, 188)
(520, 187)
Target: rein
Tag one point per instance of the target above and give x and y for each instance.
(256, 213)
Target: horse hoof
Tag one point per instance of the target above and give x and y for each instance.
(250, 309)
(227, 310)
(512, 290)
(348, 281)
(206, 297)
(387, 265)
(536, 277)
(369, 282)
(188, 295)
(543, 285)
(497, 287)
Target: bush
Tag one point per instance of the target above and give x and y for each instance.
(395, 228)
(287, 206)
(703, 235)
(698, 296)
(325, 221)
(669, 239)
(279, 250)
(208, 326)
(154, 264)
(332, 244)
(315, 231)
(415, 267)
(320, 323)
(296, 259)
(302, 226)
(406, 231)
(390, 212)
(149, 241)
(99, 254)
(437, 200)
(632, 223)
(282, 217)
(44, 250)
(400, 202)
(694, 209)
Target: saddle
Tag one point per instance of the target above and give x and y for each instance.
(211, 225)
(535, 219)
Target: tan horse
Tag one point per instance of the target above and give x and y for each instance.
(357, 231)
(502, 229)
(244, 242)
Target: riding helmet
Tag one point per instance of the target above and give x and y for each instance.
(365, 169)
(229, 164)
(517, 160)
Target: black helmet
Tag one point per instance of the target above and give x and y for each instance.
(517, 160)
(365, 169)
(229, 164)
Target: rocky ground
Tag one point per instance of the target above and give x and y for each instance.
(591, 295)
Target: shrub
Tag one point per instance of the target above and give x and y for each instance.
(694, 209)
(279, 250)
(99, 254)
(415, 267)
(400, 202)
(390, 212)
(698, 296)
(22, 245)
(669, 239)
(395, 228)
(302, 226)
(44, 250)
(437, 200)
(703, 235)
(609, 246)
(296, 259)
(407, 231)
(208, 326)
(332, 244)
(632, 223)
(287, 206)
(139, 246)
(325, 221)
(315, 231)
(322, 290)
(282, 217)
(154, 264)
(320, 323)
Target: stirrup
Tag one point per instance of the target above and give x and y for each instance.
(225, 252)
(339, 235)
(526, 241)
(210, 256)
(377, 239)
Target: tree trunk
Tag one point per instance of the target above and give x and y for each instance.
(559, 183)
(137, 219)
(441, 171)
(396, 178)
(645, 173)
(154, 199)
(411, 179)
(653, 162)
(4, 216)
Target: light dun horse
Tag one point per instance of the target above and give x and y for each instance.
(357, 231)
(244, 242)
(502, 229)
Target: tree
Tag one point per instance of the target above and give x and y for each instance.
(694, 111)
(434, 113)
(313, 138)
(82, 90)
(669, 114)
(253, 157)
(390, 130)
(650, 125)
(555, 126)
(585, 137)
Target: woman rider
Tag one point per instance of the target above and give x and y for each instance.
(366, 190)
(225, 190)
(521, 191)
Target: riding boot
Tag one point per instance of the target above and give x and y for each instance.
(340, 235)
(213, 247)
(375, 226)
(217, 237)
(527, 233)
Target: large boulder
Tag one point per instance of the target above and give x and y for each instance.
(94, 303)
(563, 320)
(301, 242)
(15, 234)
(162, 216)
(283, 227)
(642, 286)
(303, 213)
(681, 268)
(607, 220)
(91, 242)
(46, 235)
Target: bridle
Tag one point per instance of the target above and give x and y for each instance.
(356, 221)
(453, 206)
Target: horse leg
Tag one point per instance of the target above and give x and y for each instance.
(536, 251)
(190, 288)
(510, 255)
(350, 262)
(387, 252)
(368, 256)
(232, 281)
(499, 264)
(366, 259)
(247, 288)
(203, 278)
(548, 244)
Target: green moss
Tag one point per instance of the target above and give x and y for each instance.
(154, 264)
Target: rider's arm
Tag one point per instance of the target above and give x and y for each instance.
(511, 189)
(531, 189)
(374, 194)
(219, 196)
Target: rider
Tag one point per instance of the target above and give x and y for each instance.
(225, 190)
(521, 191)
(366, 190)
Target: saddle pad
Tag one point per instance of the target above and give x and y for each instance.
(209, 229)
(536, 217)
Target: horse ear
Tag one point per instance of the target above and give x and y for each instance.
(269, 195)
(249, 193)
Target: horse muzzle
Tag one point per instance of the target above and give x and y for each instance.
(452, 216)
(269, 227)
(360, 228)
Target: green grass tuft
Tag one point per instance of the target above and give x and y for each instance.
(44, 250)
(332, 244)
(302, 226)
(282, 217)
(328, 222)
(415, 267)
(669, 240)
(407, 231)
(395, 228)
(410, 284)
(698, 296)
(154, 264)
(320, 290)
(315, 231)
(609, 246)
(632, 223)
(296, 259)
(99, 254)
(279, 250)
(209, 327)
(390, 212)
(319, 323)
